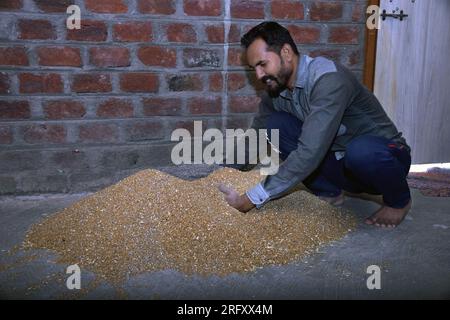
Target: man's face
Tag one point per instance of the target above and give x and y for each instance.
(269, 66)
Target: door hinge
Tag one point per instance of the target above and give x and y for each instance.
(394, 15)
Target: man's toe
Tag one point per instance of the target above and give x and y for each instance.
(373, 219)
(386, 223)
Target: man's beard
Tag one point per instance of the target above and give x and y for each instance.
(277, 84)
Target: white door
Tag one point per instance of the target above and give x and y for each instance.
(412, 75)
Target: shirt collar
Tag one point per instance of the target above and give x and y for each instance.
(302, 75)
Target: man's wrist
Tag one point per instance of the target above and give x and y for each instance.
(245, 203)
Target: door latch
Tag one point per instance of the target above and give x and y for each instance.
(394, 15)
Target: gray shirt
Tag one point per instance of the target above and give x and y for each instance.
(334, 108)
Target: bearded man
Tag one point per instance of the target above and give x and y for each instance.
(333, 133)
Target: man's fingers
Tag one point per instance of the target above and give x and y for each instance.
(225, 189)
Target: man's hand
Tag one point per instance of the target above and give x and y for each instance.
(239, 202)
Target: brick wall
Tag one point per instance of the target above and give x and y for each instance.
(80, 109)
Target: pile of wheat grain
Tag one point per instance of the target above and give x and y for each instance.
(153, 221)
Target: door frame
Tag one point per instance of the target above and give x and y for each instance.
(370, 52)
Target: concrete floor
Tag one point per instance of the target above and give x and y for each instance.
(414, 260)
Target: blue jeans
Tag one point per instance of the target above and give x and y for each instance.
(372, 164)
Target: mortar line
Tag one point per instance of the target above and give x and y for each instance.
(226, 23)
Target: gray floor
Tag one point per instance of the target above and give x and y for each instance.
(414, 260)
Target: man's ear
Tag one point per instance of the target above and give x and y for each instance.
(287, 52)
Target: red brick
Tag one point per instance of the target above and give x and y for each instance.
(144, 130)
(44, 133)
(181, 32)
(36, 29)
(344, 35)
(244, 104)
(98, 132)
(334, 54)
(238, 122)
(354, 58)
(115, 108)
(106, 6)
(63, 109)
(109, 57)
(189, 124)
(358, 12)
(205, 105)
(161, 106)
(157, 6)
(184, 82)
(139, 82)
(133, 31)
(85, 83)
(215, 33)
(6, 135)
(287, 9)
(10, 4)
(53, 5)
(302, 35)
(247, 9)
(59, 56)
(158, 56)
(215, 82)
(236, 81)
(246, 28)
(203, 7)
(13, 56)
(236, 57)
(14, 109)
(41, 83)
(4, 83)
(234, 34)
(90, 31)
(325, 11)
(194, 58)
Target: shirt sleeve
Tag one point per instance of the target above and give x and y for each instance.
(259, 122)
(330, 96)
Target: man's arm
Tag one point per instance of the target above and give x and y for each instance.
(330, 96)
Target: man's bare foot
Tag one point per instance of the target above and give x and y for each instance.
(334, 201)
(388, 217)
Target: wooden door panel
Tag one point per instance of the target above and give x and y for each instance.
(412, 75)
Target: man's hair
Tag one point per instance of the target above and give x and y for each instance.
(275, 35)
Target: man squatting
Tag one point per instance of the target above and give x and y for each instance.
(333, 133)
